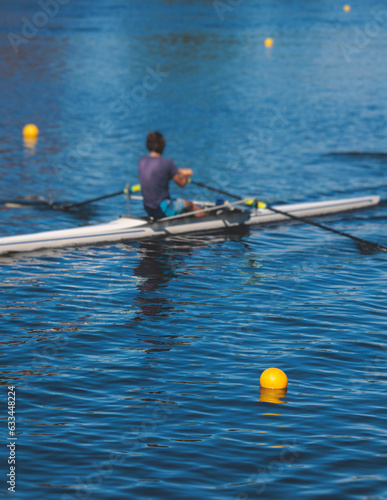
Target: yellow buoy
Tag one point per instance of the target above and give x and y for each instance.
(347, 8)
(30, 131)
(274, 378)
(269, 42)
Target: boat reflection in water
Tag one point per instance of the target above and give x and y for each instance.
(160, 262)
(165, 260)
(272, 395)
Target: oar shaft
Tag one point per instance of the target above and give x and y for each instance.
(376, 246)
(76, 205)
(220, 191)
(327, 228)
(129, 189)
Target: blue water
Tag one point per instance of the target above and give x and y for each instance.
(137, 366)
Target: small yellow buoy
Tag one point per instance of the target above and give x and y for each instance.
(269, 42)
(347, 8)
(30, 131)
(274, 378)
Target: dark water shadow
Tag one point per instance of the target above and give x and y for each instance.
(165, 260)
(160, 262)
(358, 155)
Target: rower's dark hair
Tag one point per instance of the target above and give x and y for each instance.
(155, 142)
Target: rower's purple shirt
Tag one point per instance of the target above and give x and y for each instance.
(155, 173)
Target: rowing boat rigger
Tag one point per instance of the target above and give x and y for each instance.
(229, 215)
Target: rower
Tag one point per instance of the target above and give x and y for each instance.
(155, 173)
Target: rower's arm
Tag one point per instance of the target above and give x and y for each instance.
(181, 178)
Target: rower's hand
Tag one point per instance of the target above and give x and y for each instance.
(186, 172)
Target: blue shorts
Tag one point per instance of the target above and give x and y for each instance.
(172, 207)
(167, 208)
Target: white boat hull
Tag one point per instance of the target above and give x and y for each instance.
(129, 229)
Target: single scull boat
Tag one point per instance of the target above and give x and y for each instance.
(220, 217)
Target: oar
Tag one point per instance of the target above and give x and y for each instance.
(128, 189)
(27, 202)
(135, 188)
(369, 244)
(82, 203)
(54, 205)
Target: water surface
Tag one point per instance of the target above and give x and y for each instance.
(137, 365)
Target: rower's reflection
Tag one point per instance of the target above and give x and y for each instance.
(163, 261)
(160, 262)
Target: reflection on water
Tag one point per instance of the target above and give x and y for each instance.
(165, 260)
(106, 338)
(272, 395)
(159, 263)
(30, 146)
